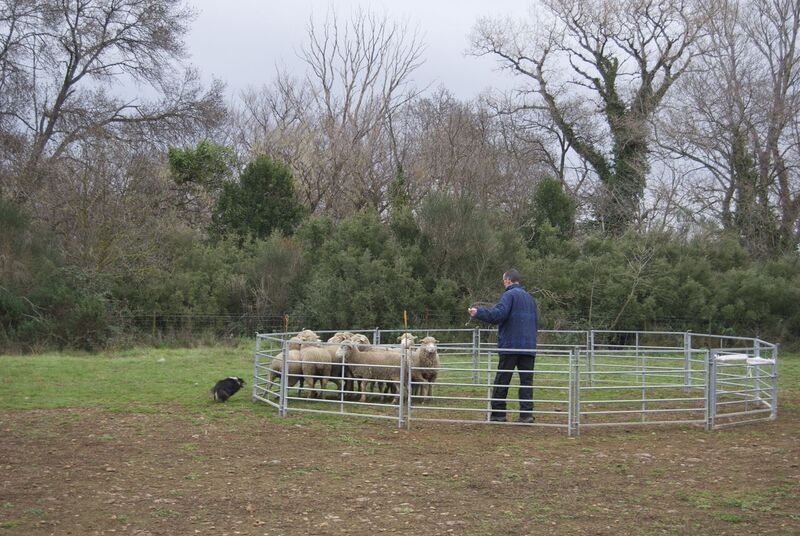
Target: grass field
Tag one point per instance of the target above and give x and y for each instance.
(129, 442)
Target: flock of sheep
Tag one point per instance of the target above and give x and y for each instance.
(363, 367)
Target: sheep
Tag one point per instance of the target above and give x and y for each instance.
(316, 364)
(340, 336)
(425, 362)
(320, 364)
(380, 364)
(293, 361)
(362, 341)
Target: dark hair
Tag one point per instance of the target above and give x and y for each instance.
(513, 276)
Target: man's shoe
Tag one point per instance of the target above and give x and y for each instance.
(526, 419)
(497, 418)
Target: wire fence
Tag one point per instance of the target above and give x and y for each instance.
(156, 324)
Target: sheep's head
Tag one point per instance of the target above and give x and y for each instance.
(362, 341)
(340, 336)
(407, 340)
(303, 338)
(308, 335)
(428, 344)
(345, 350)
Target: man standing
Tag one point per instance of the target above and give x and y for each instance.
(517, 322)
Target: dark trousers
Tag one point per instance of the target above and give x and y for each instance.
(524, 365)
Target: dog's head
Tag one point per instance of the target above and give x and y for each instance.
(236, 380)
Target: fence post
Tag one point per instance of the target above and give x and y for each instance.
(376, 336)
(404, 363)
(282, 409)
(687, 359)
(573, 393)
(591, 357)
(711, 389)
(476, 341)
(256, 366)
(757, 376)
(489, 384)
(774, 413)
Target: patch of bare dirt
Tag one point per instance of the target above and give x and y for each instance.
(79, 472)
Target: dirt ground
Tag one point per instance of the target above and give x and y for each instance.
(247, 471)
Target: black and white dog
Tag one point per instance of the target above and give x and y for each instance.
(224, 389)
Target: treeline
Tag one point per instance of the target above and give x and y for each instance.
(360, 272)
(645, 176)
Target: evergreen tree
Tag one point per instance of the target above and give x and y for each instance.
(262, 201)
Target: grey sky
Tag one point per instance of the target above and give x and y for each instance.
(242, 41)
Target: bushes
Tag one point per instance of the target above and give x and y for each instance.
(361, 272)
(62, 309)
(660, 282)
(358, 277)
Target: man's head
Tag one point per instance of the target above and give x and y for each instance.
(510, 277)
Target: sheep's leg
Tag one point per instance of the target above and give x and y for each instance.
(384, 388)
(359, 392)
(362, 388)
(338, 383)
(391, 392)
(273, 383)
(312, 393)
(348, 389)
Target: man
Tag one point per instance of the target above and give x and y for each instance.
(517, 327)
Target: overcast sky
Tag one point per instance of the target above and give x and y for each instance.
(242, 41)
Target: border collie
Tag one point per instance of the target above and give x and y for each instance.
(224, 389)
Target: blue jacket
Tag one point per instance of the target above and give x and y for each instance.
(517, 320)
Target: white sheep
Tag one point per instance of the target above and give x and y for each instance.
(362, 341)
(424, 363)
(293, 360)
(316, 364)
(379, 364)
(320, 364)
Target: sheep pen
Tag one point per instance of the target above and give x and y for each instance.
(582, 379)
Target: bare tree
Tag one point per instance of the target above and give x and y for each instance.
(361, 70)
(621, 58)
(334, 128)
(64, 66)
(736, 118)
(465, 148)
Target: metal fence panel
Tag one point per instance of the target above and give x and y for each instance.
(582, 379)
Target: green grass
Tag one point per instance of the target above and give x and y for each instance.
(148, 379)
(136, 380)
